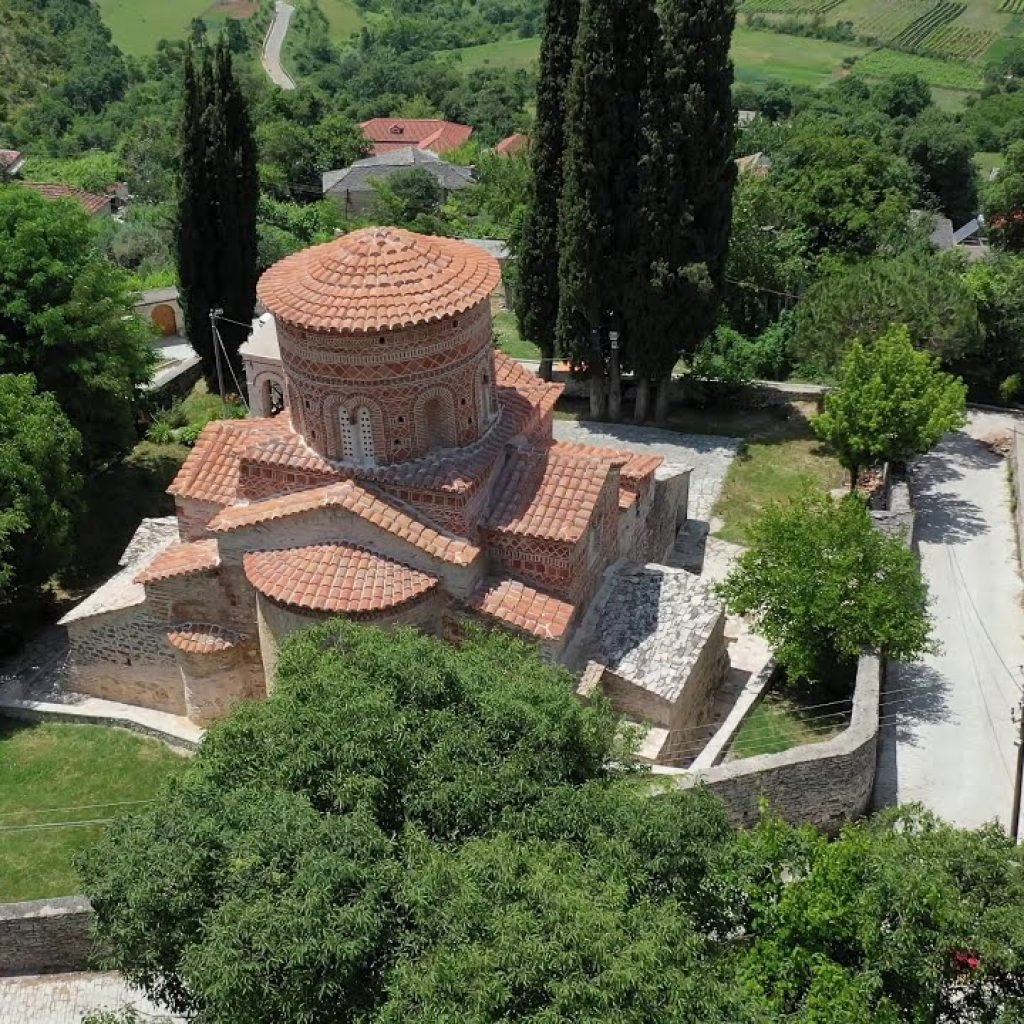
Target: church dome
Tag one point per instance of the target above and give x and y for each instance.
(377, 279)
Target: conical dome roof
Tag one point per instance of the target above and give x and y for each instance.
(378, 279)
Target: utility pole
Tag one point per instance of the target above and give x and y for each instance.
(214, 313)
(1017, 714)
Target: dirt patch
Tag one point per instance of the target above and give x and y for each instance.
(235, 8)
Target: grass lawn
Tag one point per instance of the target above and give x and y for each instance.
(506, 333)
(987, 162)
(343, 17)
(56, 772)
(772, 465)
(138, 25)
(759, 56)
(778, 724)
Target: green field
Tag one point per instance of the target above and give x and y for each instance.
(60, 774)
(138, 25)
(940, 73)
(344, 18)
(759, 56)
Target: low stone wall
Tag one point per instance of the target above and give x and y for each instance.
(46, 936)
(1017, 488)
(821, 783)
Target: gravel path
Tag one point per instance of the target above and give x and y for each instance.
(947, 739)
(273, 44)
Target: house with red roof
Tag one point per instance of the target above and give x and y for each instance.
(513, 144)
(387, 133)
(93, 203)
(395, 469)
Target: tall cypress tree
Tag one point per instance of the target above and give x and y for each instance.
(684, 200)
(219, 192)
(536, 297)
(611, 66)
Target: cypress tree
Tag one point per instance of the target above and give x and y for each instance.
(684, 204)
(219, 192)
(611, 65)
(536, 297)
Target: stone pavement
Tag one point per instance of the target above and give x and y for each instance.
(66, 998)
(947, 739)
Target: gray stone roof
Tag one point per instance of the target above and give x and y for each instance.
(155, 295)
(358, 176)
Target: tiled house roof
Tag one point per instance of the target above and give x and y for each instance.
(377, 279)
(383, 513)
(516, 604)
(181, 560)
(547, 495)
(90, 201)
(359, 177)
(423, 132)
(513, 144)
(339, 578)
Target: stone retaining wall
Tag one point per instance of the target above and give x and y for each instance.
(1017, 488)
(46, 936)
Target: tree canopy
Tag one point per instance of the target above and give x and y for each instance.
(823, 585)
(1004, 201)
(66, 318)
(892, 403)
(405, 831)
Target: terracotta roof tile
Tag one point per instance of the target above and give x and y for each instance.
(513, 144)
(203, 638)
(353, 497)
(632, 465)
(92, 202)
(210, 473)
(378, 279)
(523, 607)
(547, 494)
(423, 132)
(339, 578)
(181, 560)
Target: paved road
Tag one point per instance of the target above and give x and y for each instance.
(947, 739)
(66, 998)
(273, 43)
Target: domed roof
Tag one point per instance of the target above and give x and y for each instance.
(378, 279)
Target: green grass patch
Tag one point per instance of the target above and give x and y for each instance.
(343, 17)
(988, 162)
(55, 772)
(779, 724)
(759, 56)
(941, 73)
(138, 25)
(772, 466)
(506, 334)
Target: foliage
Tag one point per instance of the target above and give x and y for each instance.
(903, 95)
(496, 205)
(730, 357)
(293, 156)
(1004, 201)
(66, 318)
(40, 489)
(942, 74)
(823, 585)
(925, 291)
(943, 154)
(285, 227)
(216, 238)
(997, 284)
(537, 297)
(892, 403)
(93, 172)
(407, 198)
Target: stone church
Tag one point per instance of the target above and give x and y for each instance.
(396, 469)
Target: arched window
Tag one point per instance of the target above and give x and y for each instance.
(357, 436)
(485, 398)
(364, 426)
(440, 423)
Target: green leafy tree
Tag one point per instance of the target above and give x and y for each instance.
(610, 74)
(925, 291)
(40, 493)
(902, 95)
(66, 318)
(536, 297)
(1004, 201)
(892, 404)
(822, 585)
(943, 153)
(678, 229)
(997, 284)
(217, 207)
(407, 198)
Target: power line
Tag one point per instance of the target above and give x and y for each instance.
(78, 807)
(56, 825)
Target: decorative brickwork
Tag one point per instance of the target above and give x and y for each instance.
(411, 479)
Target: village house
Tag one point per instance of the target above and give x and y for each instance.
(387, 133)
(396, 469)
(93, 203)
(353, 186)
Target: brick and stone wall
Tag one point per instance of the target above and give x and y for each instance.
(46, 936)
(215, 682)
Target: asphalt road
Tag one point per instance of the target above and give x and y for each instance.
(273, 43)
(947, 736)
